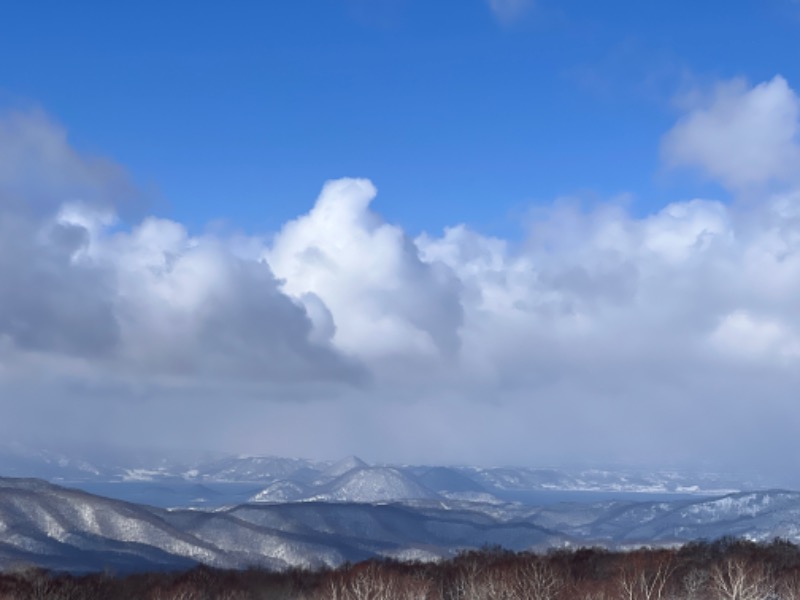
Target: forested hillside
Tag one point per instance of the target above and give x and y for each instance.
(727, 569)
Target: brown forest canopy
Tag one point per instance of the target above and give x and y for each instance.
(726, 569)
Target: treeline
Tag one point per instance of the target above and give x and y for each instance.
(727, 569)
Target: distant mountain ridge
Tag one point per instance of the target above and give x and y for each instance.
(65, 529)
(358, 484)
(306, 479)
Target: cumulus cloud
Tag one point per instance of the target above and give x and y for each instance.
(739, 135)
(673, 335)
(385, 300)
(48, 303)
(608, 332)
(39, 169)
(149, 300)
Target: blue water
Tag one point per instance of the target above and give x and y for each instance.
(545, 498)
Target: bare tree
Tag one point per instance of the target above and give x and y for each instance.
(469, 580)
(374, 582)
(695, 584)
(788, 585)
(533, 580)
(645, 577)
(739, 579)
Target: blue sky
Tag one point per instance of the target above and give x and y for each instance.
(238, 114)
(623, 288)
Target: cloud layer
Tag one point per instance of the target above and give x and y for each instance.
(675, 335)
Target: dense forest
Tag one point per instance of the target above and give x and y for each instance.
(726, 569)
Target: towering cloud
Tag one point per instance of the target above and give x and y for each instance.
(385, 300)
(675, 333)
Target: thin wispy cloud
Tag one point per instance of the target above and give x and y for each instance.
(508, 11)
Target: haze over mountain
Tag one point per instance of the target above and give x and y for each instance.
(234, 479)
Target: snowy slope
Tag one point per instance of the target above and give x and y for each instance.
(372, 484)
(60, 528)
(281, 491)
(356, 483)
(754, 515)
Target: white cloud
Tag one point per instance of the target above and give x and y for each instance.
(147, 302)
(385, 301)
(750, 337)
(741, 136)
(600, 332)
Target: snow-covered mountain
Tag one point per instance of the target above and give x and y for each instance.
(228, 480)
(520, 479)
(353, 480)
(372, 484)
(255, 468)
(280, 492)
(361, 483)
(61, 528)
(758, 516)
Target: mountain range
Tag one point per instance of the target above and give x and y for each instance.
(277, 513)
(66, 529)
(234, 479)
